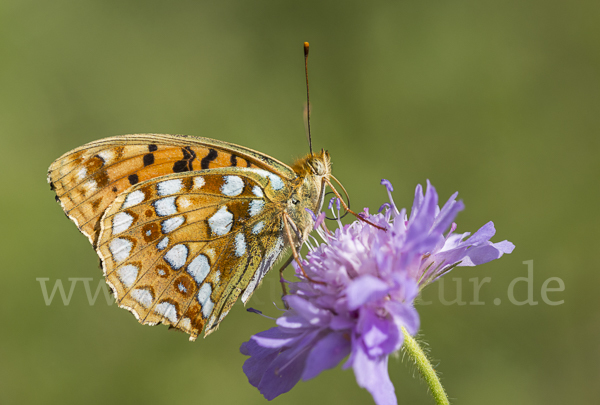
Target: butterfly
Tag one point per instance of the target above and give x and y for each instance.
(185, 225)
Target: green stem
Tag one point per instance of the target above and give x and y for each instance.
(425, 368)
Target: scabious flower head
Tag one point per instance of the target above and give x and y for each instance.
(359, 294)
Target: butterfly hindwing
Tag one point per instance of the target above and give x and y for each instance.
(88, 179)
(180, 249)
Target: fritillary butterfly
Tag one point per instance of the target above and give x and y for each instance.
(184, 225)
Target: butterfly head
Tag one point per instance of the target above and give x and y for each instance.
(312, 171)
(314, 164)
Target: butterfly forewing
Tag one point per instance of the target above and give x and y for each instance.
(88, 179)
(180, 249)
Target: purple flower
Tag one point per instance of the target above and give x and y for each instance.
(359, 294)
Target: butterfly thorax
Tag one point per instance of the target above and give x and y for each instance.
(308, 189)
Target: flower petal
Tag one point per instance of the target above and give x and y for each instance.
(341, 322)
(417, 201)
(291, 321)
(308, 311)
(274, 338)
(505, 246)
(482, 235)
(372, 374)
(364, 289)
(286, 369)
(447, 214)
(483, 254)
(380, 336)
(327, 353)
(259, 361)
(404, 315)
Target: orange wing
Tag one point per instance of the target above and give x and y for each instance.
(88, 179)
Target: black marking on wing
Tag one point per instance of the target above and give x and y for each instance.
(185, 164)
(152, 148)
(233, 160)
(101, 158)
(133, 179)
(212, 155)
(148, 159)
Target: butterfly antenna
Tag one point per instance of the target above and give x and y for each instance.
(307, 112)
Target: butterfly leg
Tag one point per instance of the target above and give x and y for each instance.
(292, 243)
(283, 267)
(282, 280)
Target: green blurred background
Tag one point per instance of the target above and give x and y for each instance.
(498, 100)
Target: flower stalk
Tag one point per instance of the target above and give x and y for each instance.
(418, 356)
